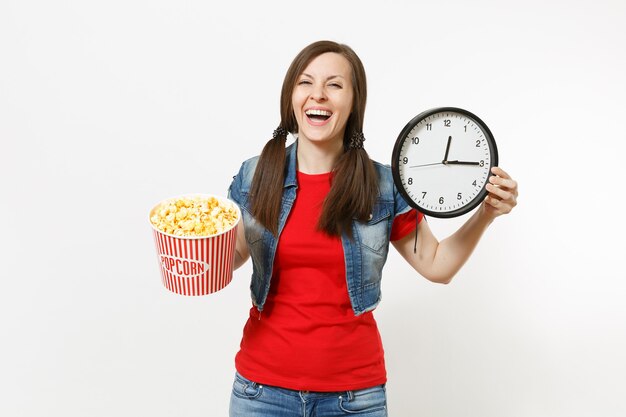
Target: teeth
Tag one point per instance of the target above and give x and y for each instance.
(312, 112)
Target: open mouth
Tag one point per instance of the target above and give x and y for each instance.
(317, 115)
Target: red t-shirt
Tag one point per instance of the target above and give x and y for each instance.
(307, 337)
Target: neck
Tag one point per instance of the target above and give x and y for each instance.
(318, 157)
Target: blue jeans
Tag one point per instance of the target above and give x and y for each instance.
(250, 399)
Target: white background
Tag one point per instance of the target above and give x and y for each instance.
(108, 107)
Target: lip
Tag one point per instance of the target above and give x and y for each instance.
(315, 122)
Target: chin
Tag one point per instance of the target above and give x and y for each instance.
(320, 140)
(318, 137)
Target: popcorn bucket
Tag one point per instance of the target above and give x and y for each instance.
(196, 265)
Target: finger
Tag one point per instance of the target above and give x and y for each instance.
(500, 172)
(501, 193)
(503, 182)
(501, 206)
(492, 201)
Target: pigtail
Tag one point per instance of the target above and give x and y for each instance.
(354, 189)
(267, 184)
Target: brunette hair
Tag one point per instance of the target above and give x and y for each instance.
(355, 184)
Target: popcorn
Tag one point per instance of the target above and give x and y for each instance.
(194, 216)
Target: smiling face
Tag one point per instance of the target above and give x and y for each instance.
(322, 98)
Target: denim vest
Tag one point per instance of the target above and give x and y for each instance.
(365, 254)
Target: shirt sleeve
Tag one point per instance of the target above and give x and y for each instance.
(405, 223)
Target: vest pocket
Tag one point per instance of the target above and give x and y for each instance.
(253, 229)
(374, 233)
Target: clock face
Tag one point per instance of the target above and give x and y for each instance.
(442, 161)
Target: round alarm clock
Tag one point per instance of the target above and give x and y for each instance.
(442, 160)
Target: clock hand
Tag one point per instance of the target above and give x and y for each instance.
(426, 165)
(461, 163)
(445, 157)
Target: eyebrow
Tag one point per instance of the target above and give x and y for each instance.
(327, 78)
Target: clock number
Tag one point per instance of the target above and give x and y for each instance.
(415, 140)
(482, 163)
(405, 160)
(429, 126)
(465, 127)
(446, 123)
(423, 195)
(459, 196)
(474, 183)
(478, 143)
(410, 181)
(440, 200)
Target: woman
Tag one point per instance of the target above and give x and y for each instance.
(318, 217)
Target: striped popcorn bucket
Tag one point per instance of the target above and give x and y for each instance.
(196, 265)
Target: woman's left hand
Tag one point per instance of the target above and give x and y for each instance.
(502, 195)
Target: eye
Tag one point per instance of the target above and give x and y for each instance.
(304, 82)
(335, 85)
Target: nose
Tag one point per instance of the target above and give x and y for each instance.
(318, 93)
